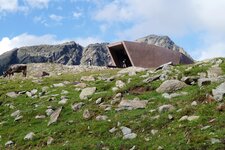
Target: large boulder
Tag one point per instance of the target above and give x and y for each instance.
(219, 92)
(87, 92)
(170, 86)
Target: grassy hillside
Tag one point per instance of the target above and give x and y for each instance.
(154, 129)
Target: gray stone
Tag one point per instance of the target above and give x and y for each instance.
(120, 84)
(54, 116)
(87, 78)
(81, 85)
(63, 101)
(219, 92)
(130, 136)
(59, 85)
(44, 89)
(190, 80)
(125, 130)
(194, 103)
(173, 95)
(29, 136)
(131, 70)
(16, 113)
(132, 104)
(9, 143)
(151, 79)
(12, 94)
(64, 92)
(170, 86)
(98, 101)
(204, 81)
(165, 66)
(87, 92)
(77, 106)
(101, 117)
(86, 114)
(33, 92)
(189, 118)
(167, 107)
(214, 140)
(40, 117)
(214, 72)
(50, 140)
(114, 129)
(18, 118)
(49, 111)
(153, 131)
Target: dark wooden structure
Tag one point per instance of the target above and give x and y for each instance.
(144, 55)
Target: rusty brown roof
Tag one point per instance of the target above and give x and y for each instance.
(145, 55)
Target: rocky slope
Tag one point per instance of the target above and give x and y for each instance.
(163, 41)
(174, 107)
(71, 53)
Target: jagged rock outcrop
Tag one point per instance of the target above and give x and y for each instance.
(98, 53)
(163, 41)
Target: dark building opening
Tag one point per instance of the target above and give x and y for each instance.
(120, 56)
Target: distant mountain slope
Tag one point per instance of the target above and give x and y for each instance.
(71, 53)
(163, 41)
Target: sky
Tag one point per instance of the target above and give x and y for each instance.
(196, 25)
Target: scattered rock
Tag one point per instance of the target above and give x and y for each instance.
(151, 79)
(120, 84)
(204, 81)
(87, 92)
(86, 114)
(173, 95)
(131, 70)
(18, 118)
(130, 136)
(194, 103)
(98, 101)
(9, 143)
(114, 129)
(164, 108)
(219, 92)
(132, 104)
(59, 85)
(77, 106)
(49, 111)
(165, 66)
(81, 85)
(170, 86)
(214, 140)
(54, 116)
(190, 80)
(153, 132)
(87, 78)
(64, 92)
(50, 140)
(16, 113)
(40, 117)
(63, 100)
(205, 127)
(192, 118)
(189, 118)
(114, 89)
(12, 94)
(101, 118)
(29, 136)
(170, 117)
(127, 133)
(214, 72)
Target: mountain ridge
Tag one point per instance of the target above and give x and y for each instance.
(72, 53)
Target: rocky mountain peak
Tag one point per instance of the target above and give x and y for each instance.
(163, 41)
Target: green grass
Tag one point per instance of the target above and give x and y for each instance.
(72, 131)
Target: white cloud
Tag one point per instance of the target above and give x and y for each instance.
(176, 18)
(77, 15)
(56, 17)
(25, 39)
(38, 3)
(9, 5)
